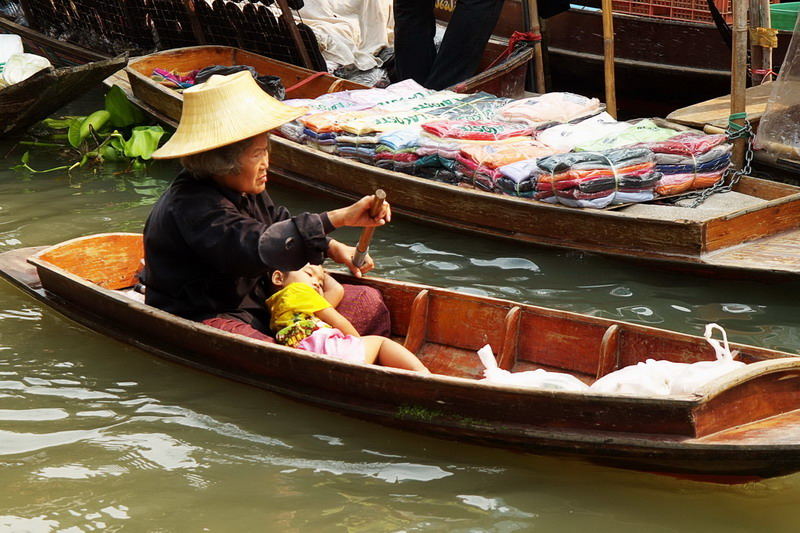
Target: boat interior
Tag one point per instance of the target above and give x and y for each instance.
(446, 328)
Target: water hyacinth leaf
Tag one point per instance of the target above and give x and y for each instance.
(123, 113)
(95, 122)
(57, 123)
(74, 133)
(144, 141)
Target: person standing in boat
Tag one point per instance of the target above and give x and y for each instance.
(465, 38)
(215, 235)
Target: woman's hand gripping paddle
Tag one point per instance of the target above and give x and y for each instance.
(366, 234)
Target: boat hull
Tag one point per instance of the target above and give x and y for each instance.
(684, 435)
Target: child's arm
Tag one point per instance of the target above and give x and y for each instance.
(332, 290)
(332, 317)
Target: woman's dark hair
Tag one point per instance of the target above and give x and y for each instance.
(222, 161)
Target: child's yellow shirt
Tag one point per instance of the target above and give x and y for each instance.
(292, 313)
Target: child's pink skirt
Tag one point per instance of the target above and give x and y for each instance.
(334, 343)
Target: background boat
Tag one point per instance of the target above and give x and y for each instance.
(755, 235)
(29, 101)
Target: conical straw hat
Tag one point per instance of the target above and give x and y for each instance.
(223, 110)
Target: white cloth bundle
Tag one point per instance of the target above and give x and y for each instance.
(663, 378)
(540, 379)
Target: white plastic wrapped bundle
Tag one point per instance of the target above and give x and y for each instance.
(663, 378)
(540, 379)
(20, 67)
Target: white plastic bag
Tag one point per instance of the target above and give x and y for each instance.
(697, 375)
(651, 378)
(662, 378)
(10, 44)
(540, 379)
(20, 67)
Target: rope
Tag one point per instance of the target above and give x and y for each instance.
(305, 81)
(516, 38)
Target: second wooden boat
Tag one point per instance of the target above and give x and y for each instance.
(31, 100)
(742, 425)
(753, 231)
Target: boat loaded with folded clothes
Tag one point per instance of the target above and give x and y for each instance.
(556, 385)
(515, 168)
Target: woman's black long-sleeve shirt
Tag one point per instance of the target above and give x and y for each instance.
(208, 249)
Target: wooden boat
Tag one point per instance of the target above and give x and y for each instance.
(744, 424)
(47, 91)
(762, 238)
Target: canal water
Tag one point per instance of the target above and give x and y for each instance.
(99, 436)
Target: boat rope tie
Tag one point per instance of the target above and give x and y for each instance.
(736, 130)
(519, 40)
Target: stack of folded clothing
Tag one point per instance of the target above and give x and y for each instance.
(644, 131)
(690, 161)
(476, 107)
(597, 179)
(565, 137)
(398, 150)
(479, 164)
(519, 179)
(436, 101)
(471, 130)
(550, 109)
(320, 130)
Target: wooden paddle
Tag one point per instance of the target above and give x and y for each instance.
(366, 234)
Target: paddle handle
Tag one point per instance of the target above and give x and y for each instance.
(366, 234)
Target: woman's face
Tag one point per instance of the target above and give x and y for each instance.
(254, 162)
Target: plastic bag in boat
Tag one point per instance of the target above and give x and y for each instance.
(540, 379)
(662, 378)
(651, 378)
(20, 67)
(696, 375)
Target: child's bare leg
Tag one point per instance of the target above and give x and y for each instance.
(390, 353)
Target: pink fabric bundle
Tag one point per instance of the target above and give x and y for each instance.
(691, 142)
(476, 131)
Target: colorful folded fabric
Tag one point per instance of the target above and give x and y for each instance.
(477, 131)
(679, 183)
(565, 137)
(494, 156)
(597, 179)
(550, 108)
(644, 131)
(174, 79)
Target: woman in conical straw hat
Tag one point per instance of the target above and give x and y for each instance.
(215, 235)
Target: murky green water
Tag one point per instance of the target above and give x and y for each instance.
(96, 435)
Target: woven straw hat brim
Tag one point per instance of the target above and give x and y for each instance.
(222, 111)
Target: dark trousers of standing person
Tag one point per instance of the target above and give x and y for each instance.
(460, 53)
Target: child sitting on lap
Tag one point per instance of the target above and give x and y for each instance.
(304, 317)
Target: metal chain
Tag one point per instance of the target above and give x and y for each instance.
(731, 177)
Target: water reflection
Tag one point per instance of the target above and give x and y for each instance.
(97, 435)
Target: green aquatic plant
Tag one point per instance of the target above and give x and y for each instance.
(112, 134)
